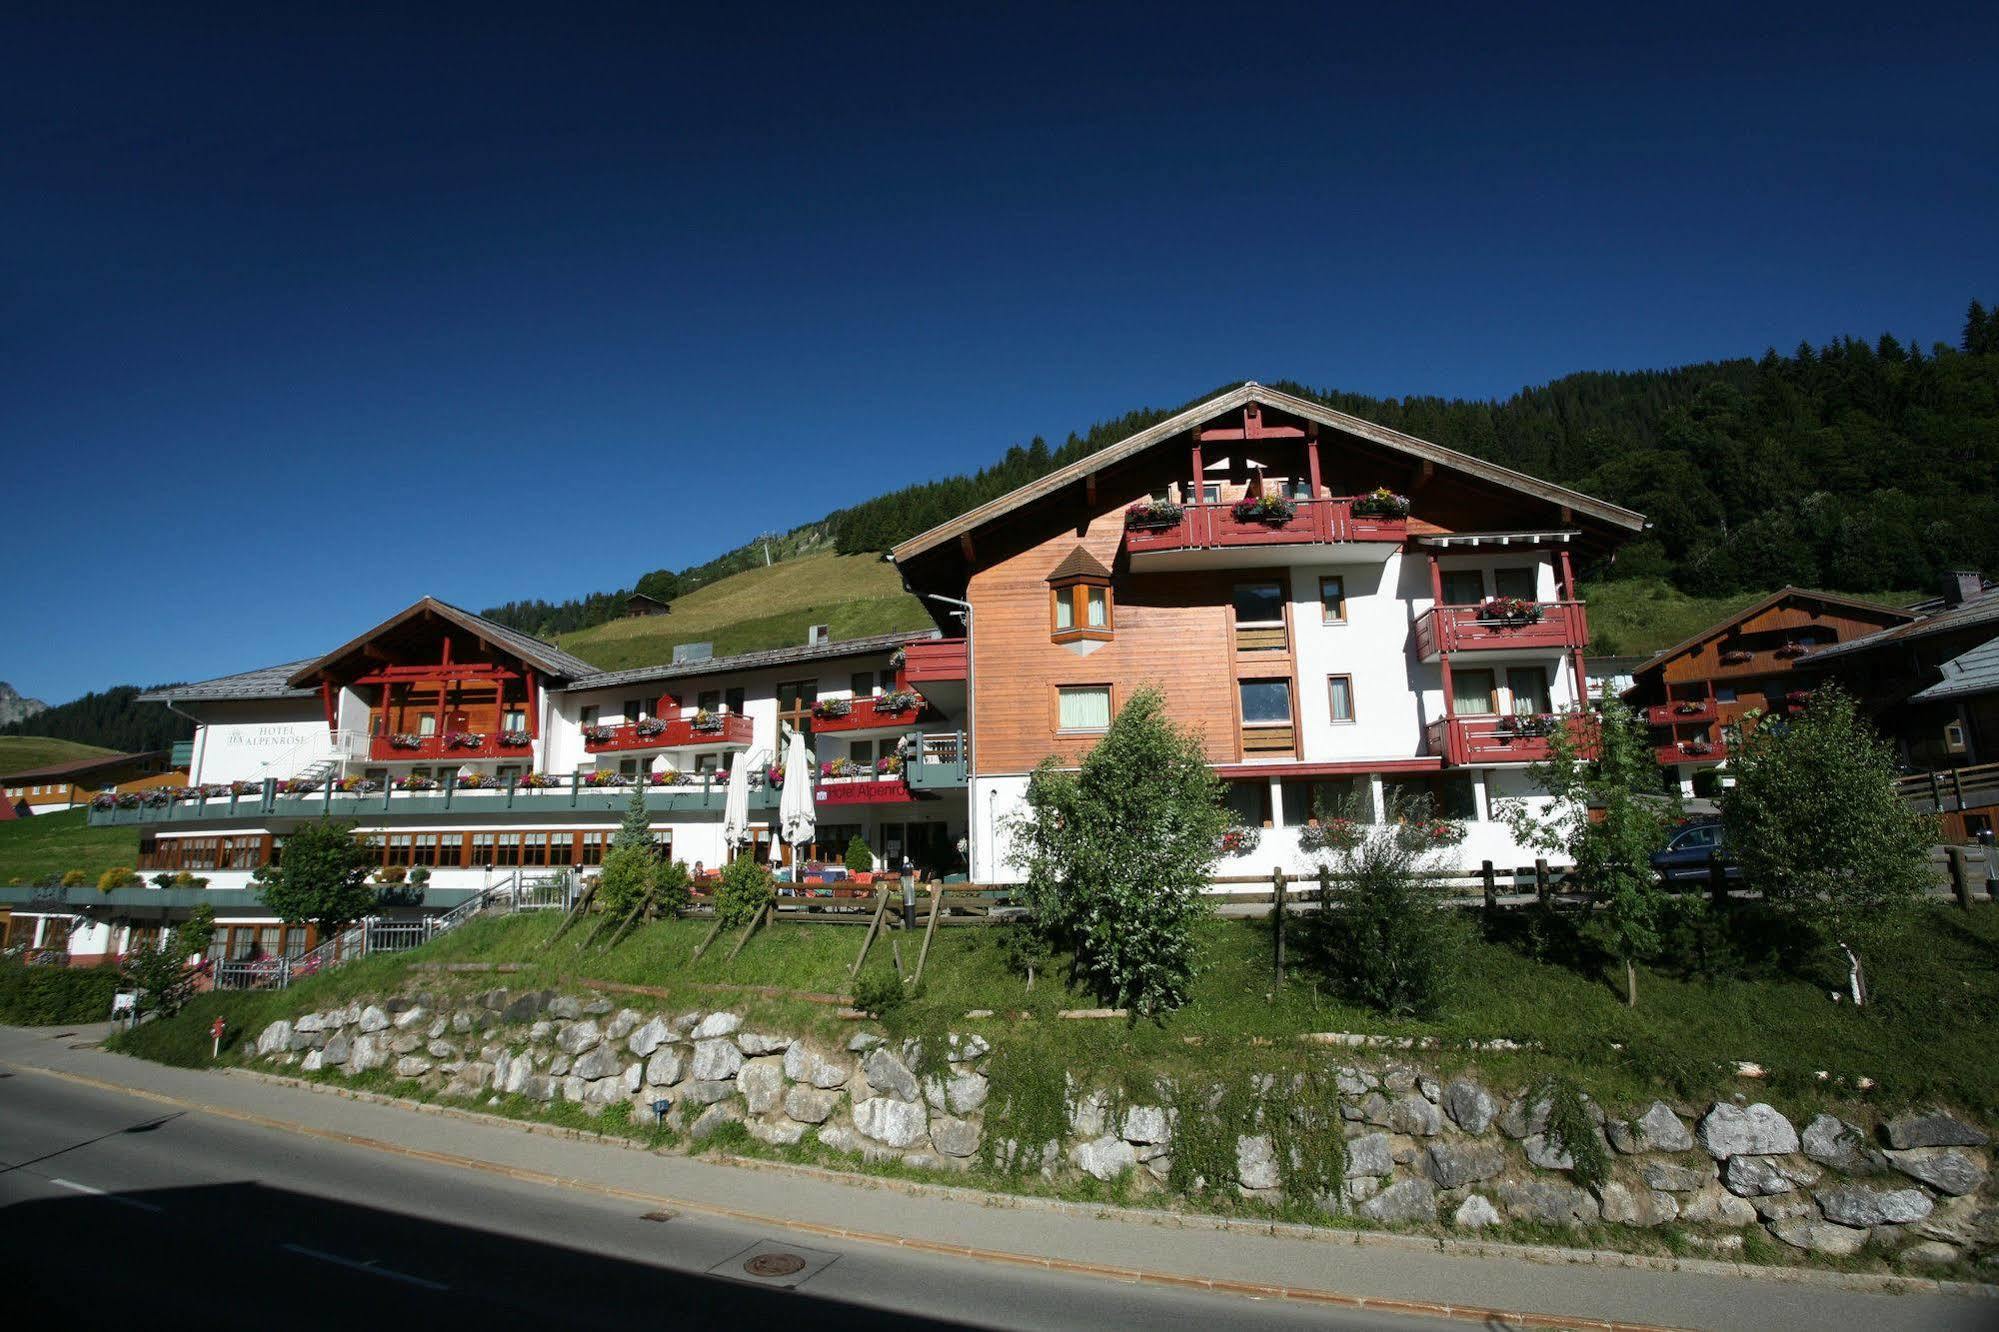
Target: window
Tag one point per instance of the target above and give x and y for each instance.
(1319, 799)
(513, 719)
(1695, 839)
(534, 849)
(1471, 693)
(1249, 801)
(732, 700)
(635, 709)
(1211, 492)
(508, 774)
(562, 849)
(1340, 688)
(1065, 612)
(1953, 737)
(1083, 707)
(294, 941)
(1724, 693)
(588, 716)
(1529, 687)
(1080, 607)
(593, 848)
(424, 852)
(1265, 702)
(1463, 587)
(628, 767)
(426, 723)
(707, 763)
(1524, 583)
(1332, 600)
(862, 683)
(1259, 603)
(400, 846)
(482, 849)
(862, 752)
(509, 849)
(1451, 797)
(708, 699)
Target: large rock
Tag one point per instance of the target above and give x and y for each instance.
(1676, 1178)
(1858, 1205)
(1625, 1206)
(1657, 1130)
(961, 1093)
(712, 1119)
(954, 1137)
(889, 1076)
(717, 1025)
(1369, 1156)
(1832, 1141)
(1755, 1130)
(1547, 1202)
(755, 1043)
(538, 1087)
(1256, 1162)
(1146, 1124)
(1412, 1114)
(1944, 1170)
(634, 1078)
(1470, 1107)
(370, 1051)
(1456, 1164)
(1521, 1118)
(1929, 1253)
(312, 1062)
(577, 1037)
(707, 1092)
(310, 1022)
(1410, 1200)
(275, 1039)
(1542, 1151)
(782, 1133)
(565, 1006)
(960, 1049)
(1715, 1206)
(810, 1105)
(524, 1007)
(649, 1037)
(410, 1017)
(560, 1066)
(804, 1064)
(602, 1062)
(622, 1024)
(408, 1042)
(666, 1067)
(1758, 1176)
(373, 1019)
(891, 1120)
(762, 1084)
(715, 1059)
(1475, 1213)
(1819, 1236)
(1933, 1129)
(441, 1050)
(413, 1066)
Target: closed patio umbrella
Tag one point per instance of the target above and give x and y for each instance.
(796, 816)
(736, 806)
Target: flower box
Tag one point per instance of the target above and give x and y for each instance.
(1273, 510)
(1511, 610)
(1239, 839)
(417, 784)
(1152, 515)
(1736, 657)
(464, 740)
(1792, 650)
(406, 740)
(597, 735)
(1381, 503)
(1690, 708)
(889, 765)
(706, 722)
(538, 781)
(648, 726)
(832, 707)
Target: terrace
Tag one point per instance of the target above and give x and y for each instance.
(1502, 624)
(1485, 740)
(718, 729)
(1274, 521)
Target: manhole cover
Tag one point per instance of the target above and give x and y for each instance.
(774, 1265)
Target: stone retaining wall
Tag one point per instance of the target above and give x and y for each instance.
(1455, 1154)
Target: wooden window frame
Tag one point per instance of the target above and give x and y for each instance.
(1055, 706)
(1491, 692)
(1290, 702)
(1073, 589)
(1340, 581)
(1353, 708)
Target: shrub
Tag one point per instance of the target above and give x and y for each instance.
(391, 874)
(1116, 855)
(118, 876)
(43, 996)
(673, 887)
(859, 858)
(1385, 938)
(74, 879)
(880, 993)
(743, 891)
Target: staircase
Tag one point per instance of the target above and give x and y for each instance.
(319, 770)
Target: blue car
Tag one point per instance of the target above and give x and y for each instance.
(1685, 857)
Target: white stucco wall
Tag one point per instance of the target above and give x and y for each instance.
(249, 741)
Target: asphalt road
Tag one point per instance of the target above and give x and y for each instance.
(117, 1212)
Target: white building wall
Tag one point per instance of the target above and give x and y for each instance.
(250, 741)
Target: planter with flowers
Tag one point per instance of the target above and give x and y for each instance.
(538, 781)
(897, 702)
(1381, 502)
(406, 740)
(596, 735)
(464, 740)
(1690, 707)
(648, 726)
(1270, 510)
(357, 786)
(516, 739)
(474, 781)
(827, 709)
(706, 722)
(605, 777)
(1736, 656)
(835, 768)
(416, 784)
(1239, 839)
(1379, 515)
(297, 786)
(1333, 834)
(1697, 748)
(1151, 515)
(889, 765)
(1791, 649)
(1511, 610)
(1536, 725)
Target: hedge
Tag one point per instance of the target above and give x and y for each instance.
(44, 996)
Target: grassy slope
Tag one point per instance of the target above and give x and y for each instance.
(33, 849)
(1927, 1036)
(762, 608)
(20, 753)
(1636, 616)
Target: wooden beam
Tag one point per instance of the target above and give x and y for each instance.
(1090, 489)
(930, 930)
(965, 547)
(748, 930)
(874, 928)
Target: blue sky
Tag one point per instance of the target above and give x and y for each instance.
(304, 317)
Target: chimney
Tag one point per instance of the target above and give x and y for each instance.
(1962, 586)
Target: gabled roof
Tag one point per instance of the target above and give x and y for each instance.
(1782, 594)
(1968, 673)
(648, 600)
(749, 661)
(1970, 615)
(1079, 563)
(83, 767)
(1611, 514)
(544, 657)
(264, 682)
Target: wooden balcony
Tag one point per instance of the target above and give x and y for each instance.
(934, 659)
(1690, 751)
(865, 714)
(1482, 741)
(438, 749)
(1670, 714)
(1215, 526)
(1563, 626)
(677, 733)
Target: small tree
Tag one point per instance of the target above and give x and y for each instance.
(628, 876)
(1116, 855)
(1385, 937)
(161, 975)
(743, 891)
(1608, 812)
(859, 858)
(1817, 825)
(323, 877)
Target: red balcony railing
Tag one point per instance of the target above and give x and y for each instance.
(676, 733)
(1462, 741)
(1563, 626)
(1691, 751)
(1672, 714)
(443, 748)
(1215, 525)
(934, 659)
(864, 714)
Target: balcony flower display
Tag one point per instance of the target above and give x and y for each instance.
(1151, 514)
(1690, 708)
(406, 740)
(297, 786)
(827, 708)
(1239, 839)
(897, 658)
(605, 777)
(1735, 657)
(671, 777)
(537, 781)
(597, 735)
(463, 739)
(516, 739)
(1529, 725)
(1381, 502)
(889, 765)
(416, 784)
(705, 721)
(1333, 834)
(1696, 747)
(220, 789)
(1791, 648)
(1273, 510)
(898, 701)
(837, 767)
(648, 726)
(1511, 610)
(357, 785)
(1440, 832)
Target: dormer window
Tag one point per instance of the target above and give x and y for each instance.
(1079, 599)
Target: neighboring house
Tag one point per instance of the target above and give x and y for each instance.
(1695, 690)
(1324, 642)
(638, 605)
(1932, 687)
(1609, 677)
(66, 785)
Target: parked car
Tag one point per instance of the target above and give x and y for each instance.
(1685, 856)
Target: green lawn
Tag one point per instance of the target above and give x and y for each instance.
(23, 753)
(35, 848)
(771, 607)
(1634, 616)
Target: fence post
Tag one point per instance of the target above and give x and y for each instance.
(1541, 879)
(1717, 879)
(1960, 882)
(1491, 880)
(1991, 866)
(1277, 917)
